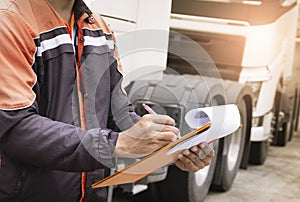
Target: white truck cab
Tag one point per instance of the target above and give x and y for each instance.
(251, 42)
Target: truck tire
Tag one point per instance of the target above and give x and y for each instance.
(258, 152)
(294, 114)
(230, 153)
(281, 120)
(282, 137)
(298, 112)
(184, 186)
(175, 89)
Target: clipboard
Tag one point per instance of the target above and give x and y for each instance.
(149, 164)
(209, 124)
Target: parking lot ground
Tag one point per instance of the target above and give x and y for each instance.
(277, 180)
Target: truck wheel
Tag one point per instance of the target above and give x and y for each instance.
(184, 186)
(230, 153)
(258, 152)
(282, 137)
(298, 112)
(294, 114)
(281, 120)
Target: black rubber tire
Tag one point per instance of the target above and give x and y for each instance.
(294, 114)
(258, 152)
(281, 129)
(225, 173)
(276, 111)
(282, 137)
(181, 186)
(298, 112)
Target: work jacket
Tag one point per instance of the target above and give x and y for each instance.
(61, 103)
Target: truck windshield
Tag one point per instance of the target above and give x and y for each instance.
(254, 2)
(284, 3)
(254, 12)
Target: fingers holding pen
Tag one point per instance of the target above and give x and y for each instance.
(150, 133)
(157, 124)
(160, 119)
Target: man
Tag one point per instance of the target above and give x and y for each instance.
(62, 108)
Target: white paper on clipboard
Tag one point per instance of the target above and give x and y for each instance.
(225, 120)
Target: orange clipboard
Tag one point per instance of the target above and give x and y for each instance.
(149, 164)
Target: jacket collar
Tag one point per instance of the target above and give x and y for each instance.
(82, 11)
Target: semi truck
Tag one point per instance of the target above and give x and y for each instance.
(180, 55)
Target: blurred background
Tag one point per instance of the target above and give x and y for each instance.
(178, 55)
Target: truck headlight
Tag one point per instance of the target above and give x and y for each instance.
(256, 74)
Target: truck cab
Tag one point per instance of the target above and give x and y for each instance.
(251, 42)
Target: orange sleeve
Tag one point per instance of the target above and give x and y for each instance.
(17, 52)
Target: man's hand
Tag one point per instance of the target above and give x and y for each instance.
(146, 136)
(195, 158)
